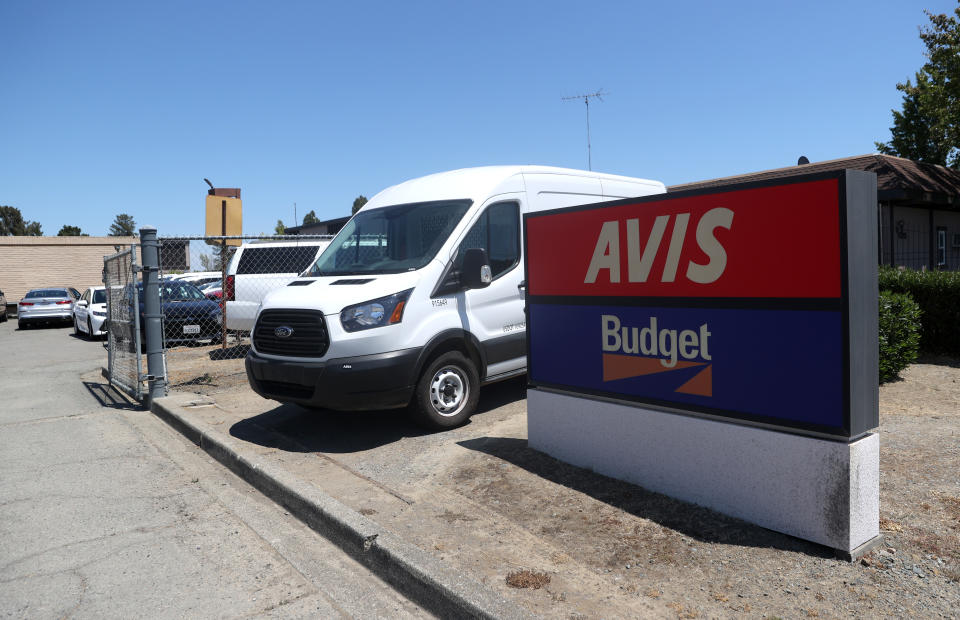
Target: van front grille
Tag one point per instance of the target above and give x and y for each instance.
(305, 334)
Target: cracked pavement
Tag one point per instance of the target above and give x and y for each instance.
(106, 512)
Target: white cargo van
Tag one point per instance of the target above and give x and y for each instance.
(256, 268)
(419, 300)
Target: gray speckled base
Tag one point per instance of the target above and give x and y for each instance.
(824, 491)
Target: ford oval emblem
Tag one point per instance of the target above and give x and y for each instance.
(283, 332)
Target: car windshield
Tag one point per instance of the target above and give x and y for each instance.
(47, 292)
(100, 297)
(171, 290)
(390, 239)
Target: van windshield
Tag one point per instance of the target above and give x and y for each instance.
(390, 239)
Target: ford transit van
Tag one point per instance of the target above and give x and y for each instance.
(419, 300)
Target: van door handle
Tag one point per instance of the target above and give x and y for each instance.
(522, 287)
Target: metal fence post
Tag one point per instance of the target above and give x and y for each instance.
(152, 314)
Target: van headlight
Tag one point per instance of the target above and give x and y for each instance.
(375, 313)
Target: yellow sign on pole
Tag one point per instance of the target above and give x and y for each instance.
(224, 218)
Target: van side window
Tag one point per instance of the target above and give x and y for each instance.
(497, 231)
(290, 259)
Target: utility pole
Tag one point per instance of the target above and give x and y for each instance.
(586, 99)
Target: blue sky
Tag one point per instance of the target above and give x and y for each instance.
(124, 107)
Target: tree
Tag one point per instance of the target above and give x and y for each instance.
(927, 128)
(280, 228)
(123, 226)
(71, 231)
(310, 218)
(358, 203)
(215, 262)
(12, 223)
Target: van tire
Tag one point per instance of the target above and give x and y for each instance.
(447, 392)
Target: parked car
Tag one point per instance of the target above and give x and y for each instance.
(188, 316)
(90, 313)
(46, 305)
(212, 290)
(258, 268)
(199, 278)
(3, 308)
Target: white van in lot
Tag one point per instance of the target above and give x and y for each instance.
(256, 268)
(419, 300)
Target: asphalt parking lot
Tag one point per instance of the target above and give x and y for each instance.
(107, 512)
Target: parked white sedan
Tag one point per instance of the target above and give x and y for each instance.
(90, 313)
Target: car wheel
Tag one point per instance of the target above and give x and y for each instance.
(447, 392)
(89, 328)
(21, 324)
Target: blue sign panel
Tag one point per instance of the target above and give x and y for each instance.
(711, 359)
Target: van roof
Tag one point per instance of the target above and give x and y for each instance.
(478, 183)
(307, 240)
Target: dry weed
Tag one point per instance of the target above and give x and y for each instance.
(527, 579)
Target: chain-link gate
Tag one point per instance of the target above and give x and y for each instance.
(124, 362)
(211, 289)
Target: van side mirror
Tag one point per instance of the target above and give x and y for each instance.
(476, 269)
(82, 303)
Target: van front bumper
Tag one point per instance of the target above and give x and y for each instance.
(382, 381)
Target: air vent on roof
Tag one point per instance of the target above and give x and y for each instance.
(803, 160)
(357, 281)
(301, 283)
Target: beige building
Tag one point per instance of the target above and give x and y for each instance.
(32, 262)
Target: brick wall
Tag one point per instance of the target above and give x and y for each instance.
(34, 262)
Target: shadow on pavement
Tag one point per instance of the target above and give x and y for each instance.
(938, 360)
(695, 521)
(295, 429)
(235, 352)
(108, 396)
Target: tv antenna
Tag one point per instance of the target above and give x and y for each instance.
(586, 99)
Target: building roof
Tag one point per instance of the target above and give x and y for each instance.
(310, 229)
(31, 240)
(898, 180)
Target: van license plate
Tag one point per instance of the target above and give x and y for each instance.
(191, 329)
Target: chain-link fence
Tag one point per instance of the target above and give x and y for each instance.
(124, 363)
(211, 288)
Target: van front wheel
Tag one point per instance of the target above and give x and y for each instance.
(447, 392)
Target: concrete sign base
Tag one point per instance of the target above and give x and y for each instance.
(823, 491)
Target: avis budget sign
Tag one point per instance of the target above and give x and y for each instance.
(755, 303)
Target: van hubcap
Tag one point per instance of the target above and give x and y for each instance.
(448, 391)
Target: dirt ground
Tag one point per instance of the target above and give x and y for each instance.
(568, 543)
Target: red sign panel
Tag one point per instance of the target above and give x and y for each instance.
(764, 242)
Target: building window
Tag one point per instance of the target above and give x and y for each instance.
(941, 246)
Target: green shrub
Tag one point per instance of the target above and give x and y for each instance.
(938, 295)
(899, 333)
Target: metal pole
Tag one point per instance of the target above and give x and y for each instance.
(108, 286)
(152, 314)
(586, 100)
(223, 276)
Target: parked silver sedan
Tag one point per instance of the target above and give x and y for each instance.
(42, 305)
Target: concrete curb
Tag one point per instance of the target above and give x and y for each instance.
(415, 573)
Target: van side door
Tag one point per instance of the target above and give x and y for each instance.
(495, 314)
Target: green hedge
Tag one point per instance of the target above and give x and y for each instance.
(938, 295)
(899, 333)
